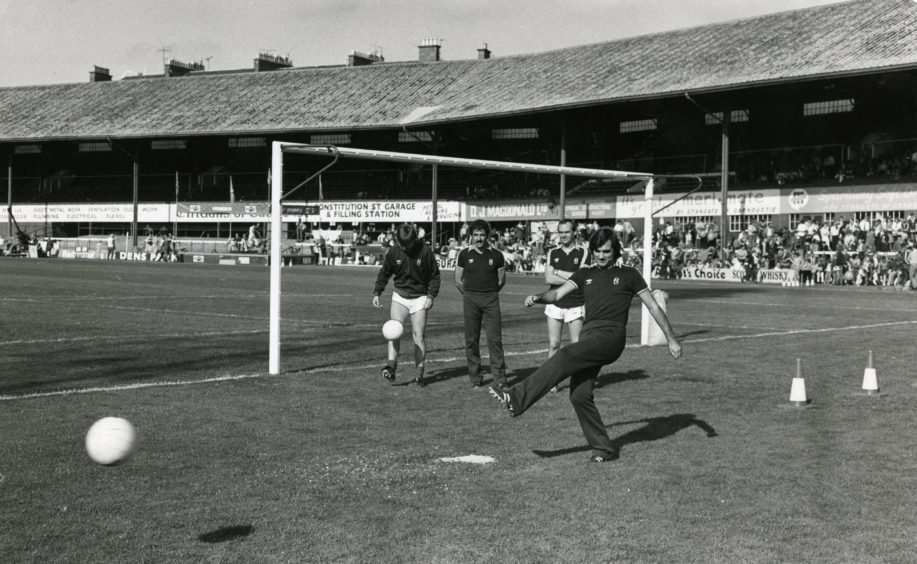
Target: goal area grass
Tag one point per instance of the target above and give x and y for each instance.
(327, 462)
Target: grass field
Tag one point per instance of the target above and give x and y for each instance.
(328, 463)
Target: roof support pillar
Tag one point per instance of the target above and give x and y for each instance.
(724, 188)
(563, 177)
(9, 194)
(136, 182)
(434, 244)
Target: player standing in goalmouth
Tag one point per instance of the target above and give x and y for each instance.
(608, 291)
(416, 280)
(563, 261)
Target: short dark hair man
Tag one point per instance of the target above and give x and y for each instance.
(480, 273)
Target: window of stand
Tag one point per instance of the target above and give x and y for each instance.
(735, 116)
(168, 144)
(415, 136)
(95, 147)
(27, 150)
(330, 139)
(637, 125)
(877, 215)
(828, 107)
(696, 220)
(246, 142)
(515, 133)
(741, 222)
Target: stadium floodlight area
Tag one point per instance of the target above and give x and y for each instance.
(279, 149)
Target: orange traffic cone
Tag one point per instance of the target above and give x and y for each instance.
(870, 381)
(798, 389)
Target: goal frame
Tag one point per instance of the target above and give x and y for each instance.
(279, 148)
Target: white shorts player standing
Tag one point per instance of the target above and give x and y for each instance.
(563, 261)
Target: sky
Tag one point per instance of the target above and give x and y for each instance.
(59, 41)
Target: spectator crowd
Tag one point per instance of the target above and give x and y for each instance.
(867, 252)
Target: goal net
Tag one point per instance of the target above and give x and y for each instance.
(280, 149)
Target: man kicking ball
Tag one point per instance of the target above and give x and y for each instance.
(608, 291)
(416, 281)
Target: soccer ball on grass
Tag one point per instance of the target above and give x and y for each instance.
(110, 440)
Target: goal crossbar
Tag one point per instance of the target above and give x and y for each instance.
(278, 148)
(480, 164)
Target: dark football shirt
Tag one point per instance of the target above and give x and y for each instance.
(480, 273)
(416, 273)
(569, 262)
(608, 294)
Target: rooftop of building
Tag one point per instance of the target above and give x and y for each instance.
(835, 40)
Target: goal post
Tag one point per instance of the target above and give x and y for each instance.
(280, 148)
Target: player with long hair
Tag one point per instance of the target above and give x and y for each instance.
(416, 280)
(608, 291)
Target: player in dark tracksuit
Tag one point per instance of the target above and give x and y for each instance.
(480, 273)
(417, 281)
(608, 291)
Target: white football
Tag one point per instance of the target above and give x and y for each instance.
(110, 440)
(392, 329)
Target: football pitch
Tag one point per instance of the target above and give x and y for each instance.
(327, 462)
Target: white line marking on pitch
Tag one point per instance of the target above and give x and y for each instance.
(342, 367)
(64, 299)
(800, 332)
(469, 458)
(128, 337)
(719, 325)
(163, 336)
(126, 387)
(790, 305)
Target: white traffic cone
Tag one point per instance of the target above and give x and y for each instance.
(798, 389)
(870, 381)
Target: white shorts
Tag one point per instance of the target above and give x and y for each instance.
(413, 305)
(565, 314)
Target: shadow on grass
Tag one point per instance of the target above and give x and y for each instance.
(124, 369)
(618, 377)
(456, 372)
(693, 333)
(655, 428)
(600, 382)
(226, 534)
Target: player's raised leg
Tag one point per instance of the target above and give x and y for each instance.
(399, 313)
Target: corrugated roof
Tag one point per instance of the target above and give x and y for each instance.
(836, 39)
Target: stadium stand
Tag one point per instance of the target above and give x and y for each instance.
(820, 126)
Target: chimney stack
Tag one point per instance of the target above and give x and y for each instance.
(269, 62)
(178, 68)
(484, 52)
(99, 74)
(429, 50)
(359, 58)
